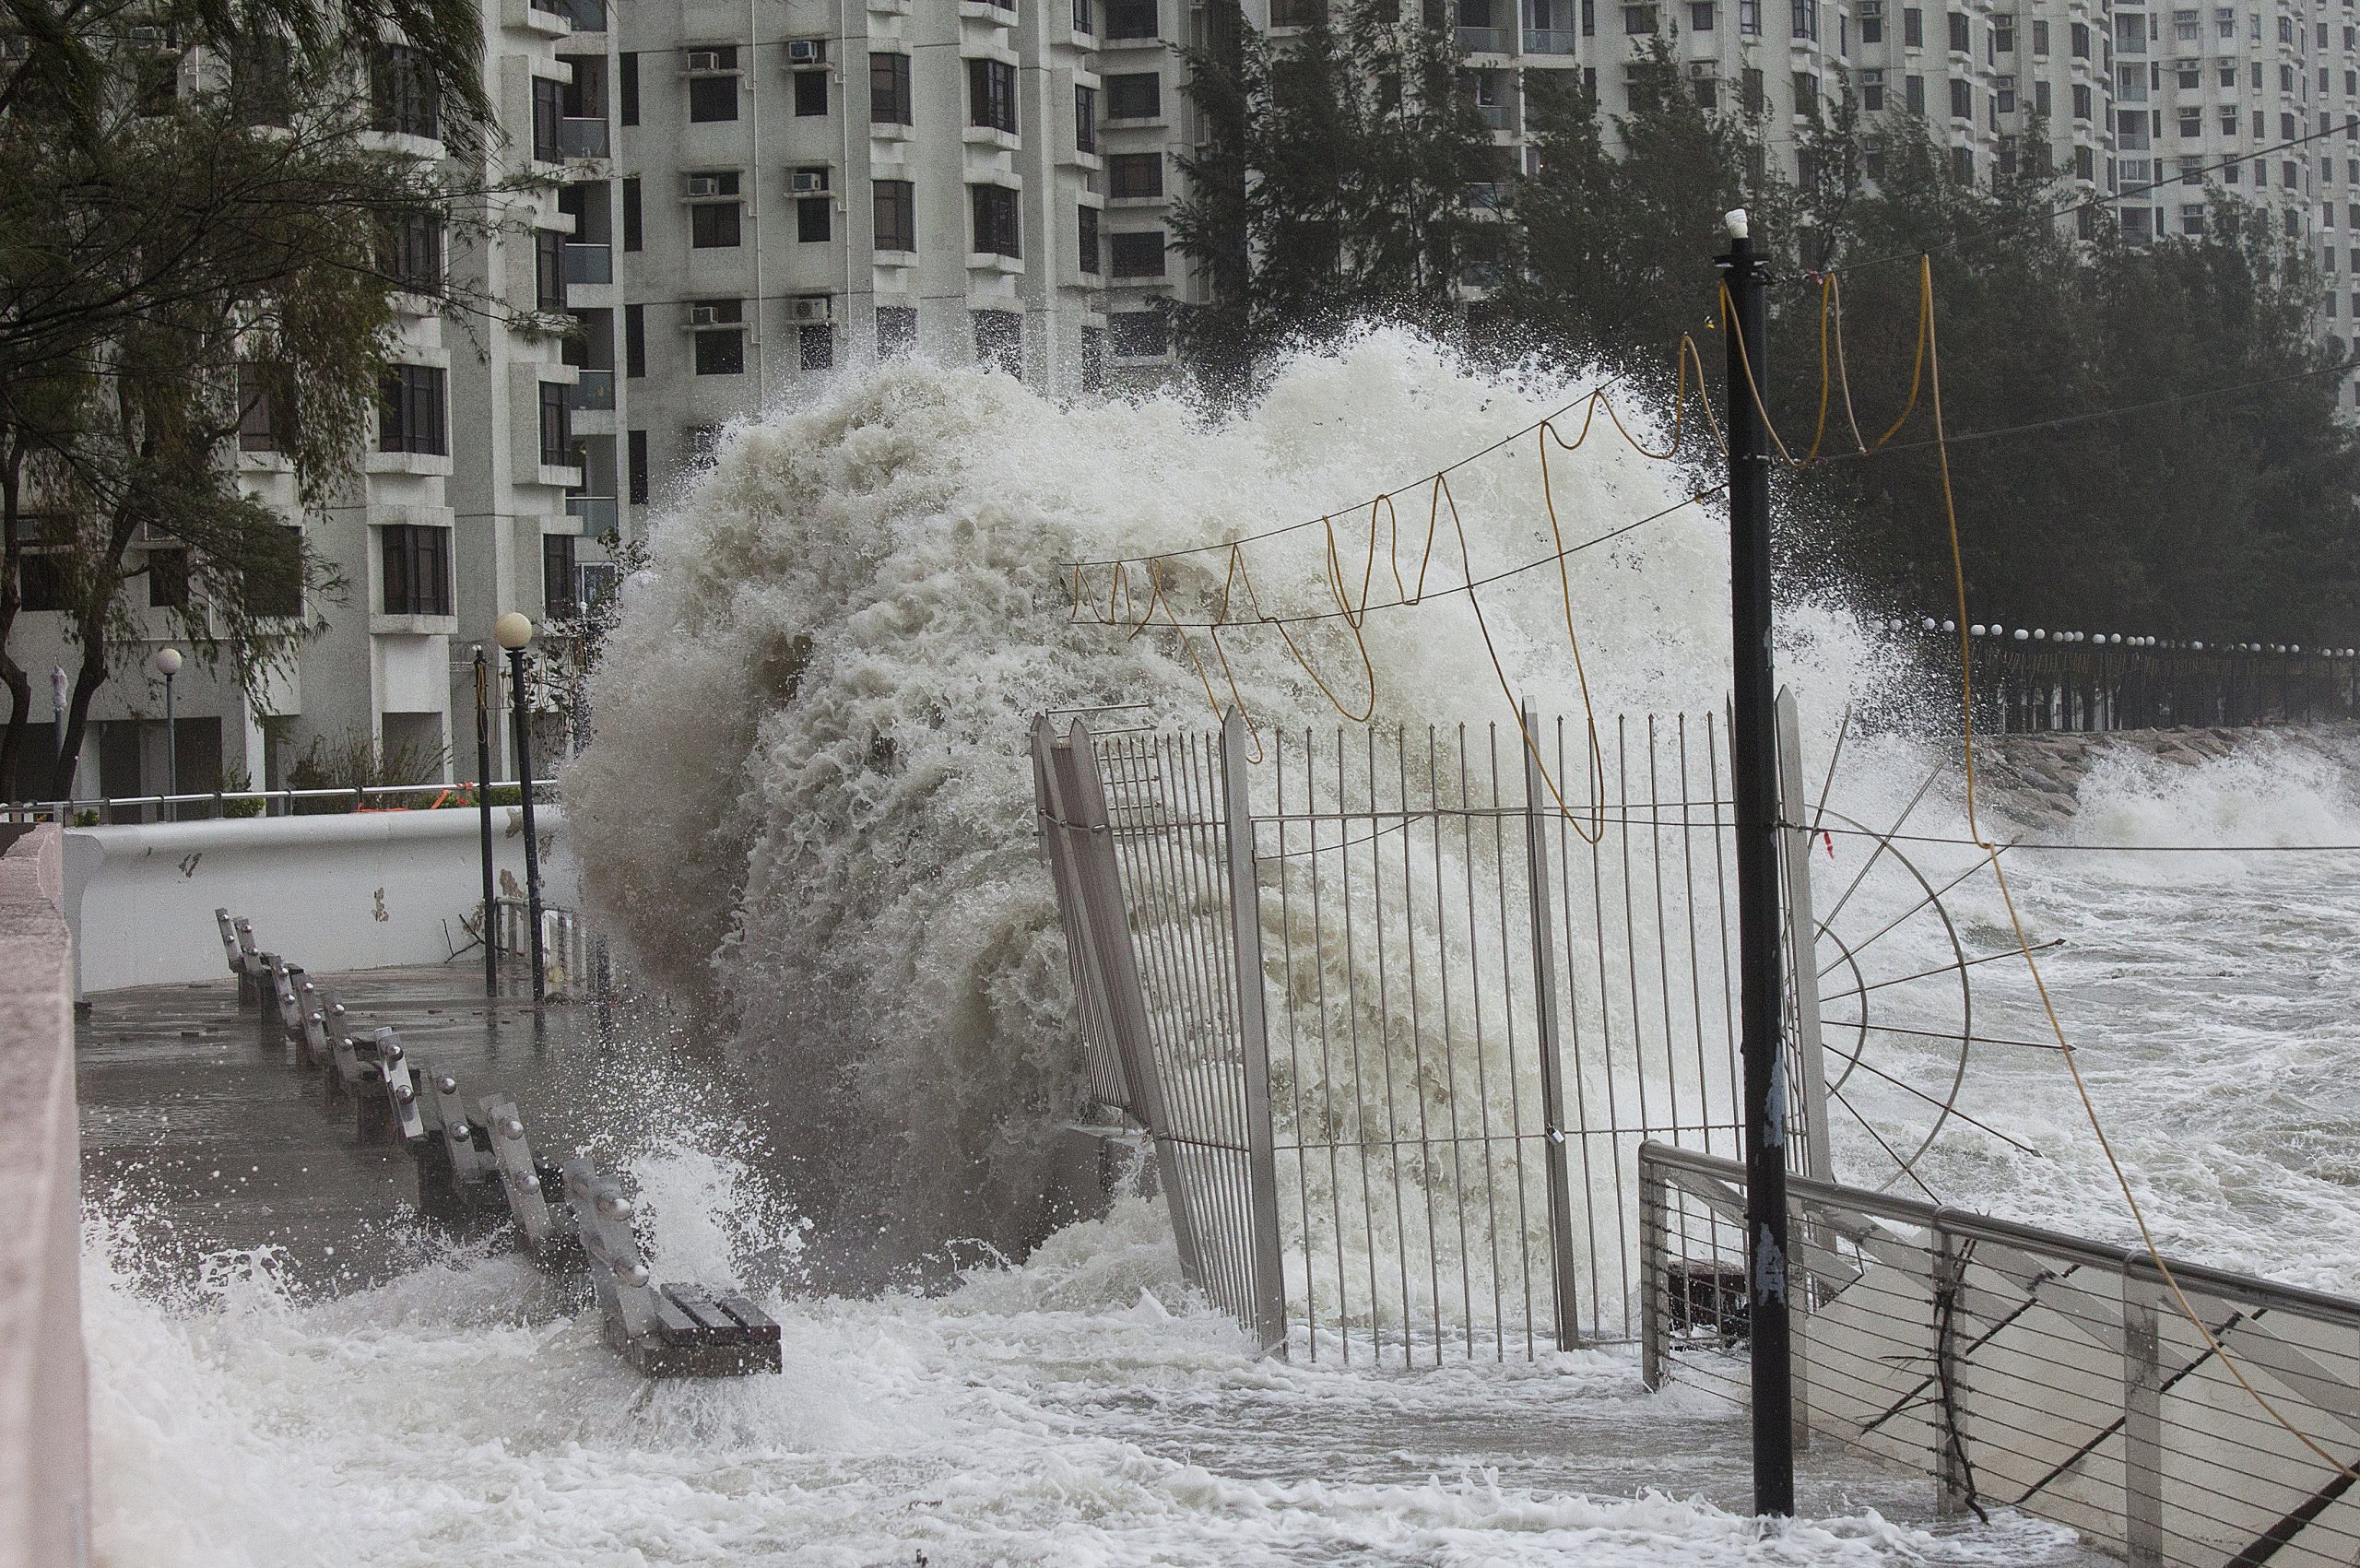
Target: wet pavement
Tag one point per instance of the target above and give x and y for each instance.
(199, 1123)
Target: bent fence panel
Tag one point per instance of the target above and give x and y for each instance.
(1478, 975)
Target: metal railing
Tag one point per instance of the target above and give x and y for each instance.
(594, 392)
(2041, 686)
(582, 135)
(1550, 41)
(587, 15)
(1487, 40)
(570, 957)
(1399, 1045)
(2022, 1368)
(114, 809)
(598, 514)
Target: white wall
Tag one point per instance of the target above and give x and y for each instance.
(331, 893)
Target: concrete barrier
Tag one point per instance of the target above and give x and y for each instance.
(343, 892)
(44, 1380)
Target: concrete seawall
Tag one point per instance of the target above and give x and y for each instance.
(2038, 776)
(44, 1381)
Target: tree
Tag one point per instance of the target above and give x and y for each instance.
(1333, 184)
(177, 266)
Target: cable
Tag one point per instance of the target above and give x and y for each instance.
(2023, 941)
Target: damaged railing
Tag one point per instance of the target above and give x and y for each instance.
(2020, 1368)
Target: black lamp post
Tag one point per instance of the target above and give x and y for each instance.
(514, 633)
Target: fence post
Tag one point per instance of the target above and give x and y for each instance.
(1081, 810)
(1108, 1078)
(1552, 1088)
(1802, 945)
(1655, 1245)
(2143, 1422)
(1953, 1478)
(1252, 1037)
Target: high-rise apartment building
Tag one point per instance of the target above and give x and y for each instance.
(739, 199)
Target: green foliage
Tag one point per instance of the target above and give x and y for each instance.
(354, 762)
(1333, 184)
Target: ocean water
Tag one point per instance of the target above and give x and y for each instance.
(808, 813)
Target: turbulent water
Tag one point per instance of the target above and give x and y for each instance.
(808, 810)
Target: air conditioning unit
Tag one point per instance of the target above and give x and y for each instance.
(151, 37)
(704, 315)
(809, 182)
(812, 310)
(704, 60)
(806, 50)
(704, 184)
(1701, 70)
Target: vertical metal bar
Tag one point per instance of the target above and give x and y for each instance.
(1802, 941)
(2142, 1421)
(1074, 771)
(524, 725)
(1384, 1045)
(1253, 1038)
(1655, 1240)
(1435, 778)
(1755, 758)
(1553, 1092)
(1953, 1482)
(1417, 1030)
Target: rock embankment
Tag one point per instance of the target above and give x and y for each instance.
(2037, 777)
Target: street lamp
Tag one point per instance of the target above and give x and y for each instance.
(168, 664)
(513, 631)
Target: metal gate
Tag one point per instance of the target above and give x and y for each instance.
(1412, 1136)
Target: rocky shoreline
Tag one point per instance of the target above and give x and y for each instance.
(2037, 777)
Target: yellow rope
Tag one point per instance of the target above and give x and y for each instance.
(1932, 359)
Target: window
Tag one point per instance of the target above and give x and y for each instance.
(627, 88)
(1961, 100)
(1700, 16)
(714, 226)
(1138, 255)
(2040, 99)
(1914, 94)
(893, 205)
(2192, 124)
(635, 464)
(560, 600)
(2191, 75)
(1093, 358)
(417, 562)
(634, 340)
(631, 214)
(1913, 28)
(814, 346)
(1873, 89)
(2285, 79)
(2003, 35)
(996, 231)
(2085, 164)
(1804, 18)
(1092, 253)
(1081, 17)
(556, 426)
(1136, 96)
(1129, 19)
(720, 353)
(814, 219)
(1963, 165)
(889, 91)
(1132, 174)
(549, 270)
(1085, 118)
(548, 120)
(409, 253)
(810, 94)
(1806, 92)
(991, 95)
(1961, 39)
(999, 341)
(409, 412)
(1749, 18)
(257, 430)
(2081, 100)
(2003, 95)
(712, 84)
(1871, 21)
(2224, 22)
(2040, 38)
(1638, 21)
(402, 97)
(1139, 335)
(897, 330)
(2229, 128)
(2080, 41)
(167, 578)
(1752, 93)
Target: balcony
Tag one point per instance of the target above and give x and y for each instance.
(594, 392)
(589, 263)
(581, 136)
(1499, 116)
(597, 513)
(1549, 40)
(589, 15)
(1487, 40)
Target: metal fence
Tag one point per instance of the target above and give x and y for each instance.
(1410, 1134)
(111, 810)
(2024, 1369)
(2047, 686)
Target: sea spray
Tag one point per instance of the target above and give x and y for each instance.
(808, 804)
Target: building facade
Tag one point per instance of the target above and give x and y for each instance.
(732, 201)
